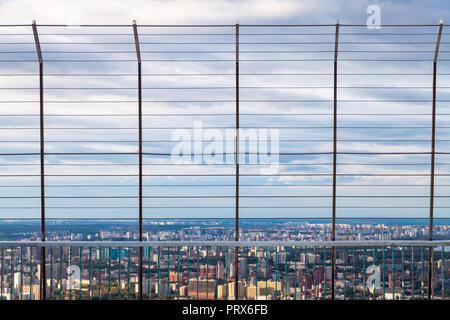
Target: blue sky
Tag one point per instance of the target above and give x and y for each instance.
(306, 96)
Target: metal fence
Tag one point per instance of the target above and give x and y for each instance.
(281, 56)
(205, 270)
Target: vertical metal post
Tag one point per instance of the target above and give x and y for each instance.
(236, 236)
(138, 54)
(433, 144)
(333, 223)
(43, 293)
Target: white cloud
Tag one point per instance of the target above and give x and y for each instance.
(210, 12)
(151, 12)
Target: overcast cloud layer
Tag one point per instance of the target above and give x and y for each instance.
(305, 99)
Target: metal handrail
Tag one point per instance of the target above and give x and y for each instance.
(137, 244)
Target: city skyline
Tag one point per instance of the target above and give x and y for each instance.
(252, 151)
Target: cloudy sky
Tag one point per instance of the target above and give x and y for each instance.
(286, 79)
(219, 11)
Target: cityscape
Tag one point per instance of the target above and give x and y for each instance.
(218, 158)
(208, 272)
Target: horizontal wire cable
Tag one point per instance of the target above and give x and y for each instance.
(219, 185)
(52, 228)
(226, 43)
(232, 207)
(230, 87)
(223, 74)
(217, 25)
(222, 114)
(209, 141)
(228, 51)
(224, 153)
(221, 34)
(213, 60)
(212, 101)
(218, 164)
(229, 127)
(232, 175)
(216, 197)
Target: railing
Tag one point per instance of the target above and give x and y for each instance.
(273, 270)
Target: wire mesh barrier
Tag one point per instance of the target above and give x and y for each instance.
(134, 127)
(206, 271)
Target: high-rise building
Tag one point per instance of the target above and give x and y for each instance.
(242, 268)
(221, 291)
(175, 276)
(209, 271)
(202, 288)
(232, 287)
(232, 270)
(220, 270)
(268, 288)
(161, 288)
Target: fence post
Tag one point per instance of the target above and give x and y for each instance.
(138, 55)
(433, 153)
(236, 236)
(43, 284)
(333, 223)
